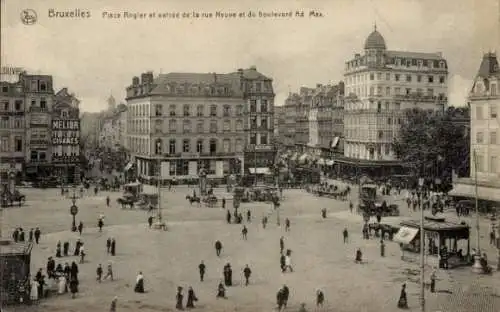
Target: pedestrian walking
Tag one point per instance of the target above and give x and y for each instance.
(80, 228)
(221, 291)
(264, 222)
(112, 308)
(30, 235)
(287, 225)
(202, 267)
(108, 245)
(150, 221)
(107, 201)
(179, 297)
(113, 247)
(218, 248)
(249, 216)
(351, 206)
(244, 232)
(282, 244)
(382, 248)
(345, 234)
(82, 254)
(403, 300)
(109, 273)
(38, 233)
(65, 249)
(247, 272)
(191, 298)
(100, 224)
(433, 281)
(73, 287)
(99, 273)
(320, 298)
(288, 262)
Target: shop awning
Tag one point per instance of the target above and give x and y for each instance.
(263, 170)
(303, 158)
(329, 162)
(128, 166)
(468, 191)
(321, 161)
(405, 235)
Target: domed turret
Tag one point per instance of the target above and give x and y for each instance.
(375, 41)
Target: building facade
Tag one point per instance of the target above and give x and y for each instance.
(258, 95)
(484, 101)
(279, 124)
(12, 129)
(66, 137)
(291, 104)
(302, 124)
(39, 99)
(380, 84)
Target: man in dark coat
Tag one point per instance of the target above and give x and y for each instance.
(74, 271)
(221, 291)
(21, 235)
(31, 235)
(247, 272)
(202, 268)
(249, 215)
(65, 248)
(218, 248)
(228, 217)
(228, 275)
(67, 271)
(108, 245)
(286, 294)
(150, 221)
(100, 224)
(179, 298)
(38, 233)
(282, 244)
(113, 247)
(51, 266)
(80, 227)
(73, 287)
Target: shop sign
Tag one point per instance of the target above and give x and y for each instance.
(66, 124)
(68, 159)
(65, 140)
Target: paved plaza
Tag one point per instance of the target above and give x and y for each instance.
(170, 258)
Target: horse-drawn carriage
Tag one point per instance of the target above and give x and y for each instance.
(131, 195)
(263, 194)
(8, 198)
(371, 205)
(147, 201)
(333, 191)
(210, 201)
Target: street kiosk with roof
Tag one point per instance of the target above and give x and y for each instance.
(438, 233)
(15, 259)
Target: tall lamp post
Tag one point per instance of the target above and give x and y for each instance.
(477, 267)
(73, 210)
(422, 253)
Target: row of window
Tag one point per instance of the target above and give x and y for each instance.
(364, 120)
(359, 78)
(491, 114)
(7, 106)
(492, 167)
(199, 147)
(142, 110)
(6, 146)
(379, 58)
(480, 138)
(369, 134)
(386, 91)
(358, 150)
(66, 150)
(7, 122)
(35, 86)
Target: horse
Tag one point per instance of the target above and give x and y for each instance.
(125, 202)
(193, 199)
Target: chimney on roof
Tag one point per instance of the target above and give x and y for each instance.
(147, 77)
(135, 81)
(253, 67)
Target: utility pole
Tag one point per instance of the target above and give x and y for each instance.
(422, 253)
(477, 267)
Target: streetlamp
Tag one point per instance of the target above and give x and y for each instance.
(422, 253)
(477, 267)
(73, 210)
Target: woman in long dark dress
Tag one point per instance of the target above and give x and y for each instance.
(221, 291)
(403, 303)
(139, 284)
(179, 298)
(73, 287)
(191, 298)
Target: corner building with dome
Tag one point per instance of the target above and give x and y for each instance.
(380, 85)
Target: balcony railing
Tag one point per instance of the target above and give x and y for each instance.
(36, 109)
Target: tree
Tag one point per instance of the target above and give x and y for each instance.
(434, 143)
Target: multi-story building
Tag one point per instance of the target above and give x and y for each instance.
(291, 103)
(258, 94)
(189, 121)
(12, 131)
(380, 84)
(123, 126)
(484, 101)
(39, 101)
(279, 124)
(302, 123)
(66, 135)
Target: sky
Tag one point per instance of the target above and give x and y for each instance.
(98, 56)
